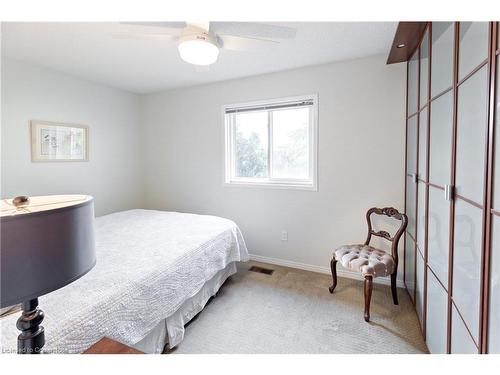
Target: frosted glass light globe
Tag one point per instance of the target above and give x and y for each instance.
(198, 52)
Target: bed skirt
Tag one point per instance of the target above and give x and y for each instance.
(170, 331)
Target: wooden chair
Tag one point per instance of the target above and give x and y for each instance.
(369, 261)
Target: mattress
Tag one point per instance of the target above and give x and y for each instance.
(149, 263)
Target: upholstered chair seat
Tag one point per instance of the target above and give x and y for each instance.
(365, 259)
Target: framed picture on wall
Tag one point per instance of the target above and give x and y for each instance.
(53, 141)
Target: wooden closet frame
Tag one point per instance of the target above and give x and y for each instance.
(412, 34)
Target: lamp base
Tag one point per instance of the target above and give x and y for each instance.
(32, 337)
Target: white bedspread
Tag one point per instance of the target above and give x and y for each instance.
(148, 264)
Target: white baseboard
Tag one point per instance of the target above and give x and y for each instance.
(326, 270)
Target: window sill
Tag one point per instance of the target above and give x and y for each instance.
(272, 185)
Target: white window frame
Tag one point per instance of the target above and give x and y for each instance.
(281, 183)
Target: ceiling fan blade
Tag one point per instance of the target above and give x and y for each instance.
(172, 24)
(143, 36)
(253, 30)
(236, 43)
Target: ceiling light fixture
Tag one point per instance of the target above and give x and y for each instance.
(199, 49)
(402, 45)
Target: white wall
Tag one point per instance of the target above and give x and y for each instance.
(165, 151)
(113, 173)
(361, 163)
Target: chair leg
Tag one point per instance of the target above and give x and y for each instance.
(368, 296)
(394, 288)
(333, 266)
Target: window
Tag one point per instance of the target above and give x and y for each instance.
(272, 143)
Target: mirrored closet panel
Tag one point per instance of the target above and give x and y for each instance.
(452, 246)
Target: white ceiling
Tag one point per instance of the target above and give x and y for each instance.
(91, 51)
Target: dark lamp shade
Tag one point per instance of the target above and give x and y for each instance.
(45, 245)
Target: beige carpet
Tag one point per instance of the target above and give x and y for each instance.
(291, 311)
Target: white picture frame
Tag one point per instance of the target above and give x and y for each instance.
(58, 142)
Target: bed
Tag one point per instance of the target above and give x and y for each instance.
(155, 271)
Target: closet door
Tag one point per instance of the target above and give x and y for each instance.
(437, 315)
(421, 215)
(422, 181)
(471, 131)
(494, 292)
(411, 199)
(411, 173)
(452, 242)
(440, 163)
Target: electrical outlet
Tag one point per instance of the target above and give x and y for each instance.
(284, 235)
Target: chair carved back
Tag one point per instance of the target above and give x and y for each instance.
(390, 212)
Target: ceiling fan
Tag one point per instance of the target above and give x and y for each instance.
(199, 42)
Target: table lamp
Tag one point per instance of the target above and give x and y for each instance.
(47, 242)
